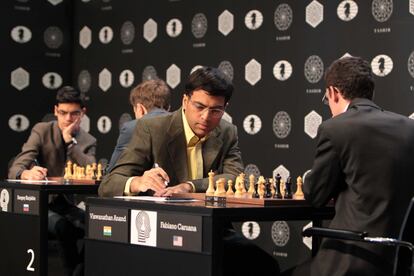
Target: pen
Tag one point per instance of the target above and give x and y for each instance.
(158, 166)
(37, 164)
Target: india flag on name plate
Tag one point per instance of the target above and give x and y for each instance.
(107, 231)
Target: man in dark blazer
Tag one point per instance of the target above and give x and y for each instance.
(161, 147)
(364, 160)
(45, 153)
(148, 99)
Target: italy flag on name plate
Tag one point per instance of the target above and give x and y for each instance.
(107, 231)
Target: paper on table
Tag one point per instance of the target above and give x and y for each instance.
(157, 199)
(31, 181)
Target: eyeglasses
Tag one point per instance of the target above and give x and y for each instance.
(63, 113)
(325, 99)
(200, 108)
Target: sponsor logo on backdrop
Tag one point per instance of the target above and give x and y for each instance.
(55, 2)
(85, 37)
(195, 68)
(283, 17)
(314, 13)
(347, 10)
(150, 30)
(282, 124)
(226, 67)
(382, 10)
(21, 34)
(144, 227)
(125, 117)
(53, 37)
(19, 122)
(85, 123)
(252, 169)
(173, 76)
(106, 34)
(127, 32)
(174, 27)
(126, 78)
(250, 230)
(199, 25)
(312, 122)
(104, 124)
(226, 116)
(252, 124)
(410, 64)
(382, 65)
(4, 200)
(253, 72)
(84, 81)
(52, 80)
(226, 22)
(253, 19)
(149, 73)
(280, 233)
(412, 7)
(282, 70)
(20, 78)
(313, 69)
(105, 79)
(307, 240)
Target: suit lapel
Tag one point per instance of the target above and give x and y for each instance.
(176, 147)
(211, 148)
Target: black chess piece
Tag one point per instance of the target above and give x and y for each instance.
(268, 192)
(255, 194)
(277, 194)
(288, 188)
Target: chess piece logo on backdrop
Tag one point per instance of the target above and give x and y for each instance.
(52, 80)
(252, 169)
(280, 233)
(282, 70)
(252, 124)
(382, 10)
(4, 200)
(253, 19)
(227, 68)
(347, 10)
(313, 69)
(283, 17)
(106, 34)
(314, 13)
(199, 25)
(250, 230)
(84, 81)
(53, 37)
(127, 32)
(410, 64)
(149, 73)
(382, 65)
(21, 34)
(104, 124)
(143, 227)
(19, 122)
(126, 78)
(174, 27)
(282, 124)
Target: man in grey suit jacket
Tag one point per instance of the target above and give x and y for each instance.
(150, 98)
(165, 141)
(364, 160)
(45, 153)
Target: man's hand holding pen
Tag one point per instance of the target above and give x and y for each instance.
(35, 173)
(154, 179)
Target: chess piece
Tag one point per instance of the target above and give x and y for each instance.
(230, 188)
(242, 175)
(251, 190)
(210, 190)
(272, 186)
(99, 172)
(288, 188)
(278, 193)
(68, 170)
(220, 189)
(282, 188)
(260, 186)
(268, 193)
(299, 192)
(255, 194)
(239, 188)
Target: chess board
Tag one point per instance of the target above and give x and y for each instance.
(251, 201)
(85, 181)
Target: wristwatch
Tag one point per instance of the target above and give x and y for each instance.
(72, 141)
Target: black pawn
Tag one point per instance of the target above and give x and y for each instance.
(255, 194)
(277, 194)
(268, 192)
(288, 188)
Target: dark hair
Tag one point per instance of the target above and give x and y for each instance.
(352, 76)
(68, 94)
(151, 93)
(210, 79)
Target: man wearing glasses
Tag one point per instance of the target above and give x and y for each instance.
(45, 153)
(174, 153)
